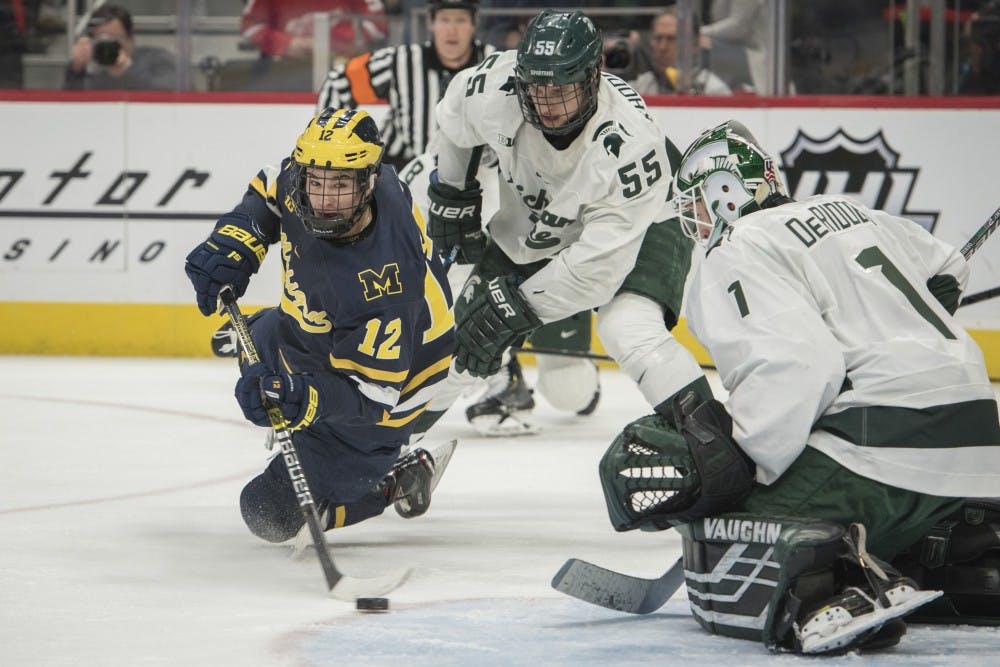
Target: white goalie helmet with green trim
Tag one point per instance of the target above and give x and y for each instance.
(723, 175)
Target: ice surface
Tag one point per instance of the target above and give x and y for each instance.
(122, 542)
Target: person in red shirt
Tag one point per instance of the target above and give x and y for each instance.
(284, 28)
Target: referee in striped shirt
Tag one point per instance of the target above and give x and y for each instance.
(411, 77)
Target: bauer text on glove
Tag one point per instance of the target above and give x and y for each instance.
(230, 256)
(491, 324)
(455, 220)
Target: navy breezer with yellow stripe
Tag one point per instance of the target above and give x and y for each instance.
(364, 326)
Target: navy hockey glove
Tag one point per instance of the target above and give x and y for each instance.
(490, 324)
(230, 256)
(455, 220)
(294, 394)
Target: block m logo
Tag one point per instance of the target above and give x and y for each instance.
(378, 283)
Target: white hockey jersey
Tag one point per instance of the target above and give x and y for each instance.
(818, 317)
(586, 207)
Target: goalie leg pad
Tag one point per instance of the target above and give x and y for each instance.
(740, 568)
(961, 557)
(796, 584)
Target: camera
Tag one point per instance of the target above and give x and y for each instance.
(618, 56)
(106, 51)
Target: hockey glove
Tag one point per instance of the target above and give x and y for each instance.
(455, 220)
(489, 325)
(294, 394)
(946, 290)
(230, 256)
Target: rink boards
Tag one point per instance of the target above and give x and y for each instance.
(101, 199)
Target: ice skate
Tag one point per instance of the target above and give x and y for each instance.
(412, 480)
(506, 410)
(855, 616)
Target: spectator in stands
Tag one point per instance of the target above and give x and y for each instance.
(284, 28)
(743, 23)
(663, 77)
(980, 72)
(105, 57)
(17, 17)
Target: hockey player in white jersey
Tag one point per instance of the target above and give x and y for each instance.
(584, 175)
(504, 402)
(860, 419)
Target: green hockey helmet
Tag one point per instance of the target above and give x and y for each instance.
(729, 174)
(558, 71)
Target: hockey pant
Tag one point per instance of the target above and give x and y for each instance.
(343, 472)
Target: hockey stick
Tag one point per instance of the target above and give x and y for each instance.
(557, 352)
(340, 585)
(614, 590)
(979, 296)
(981, 235)
(970, 248)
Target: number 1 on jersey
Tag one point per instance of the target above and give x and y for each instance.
(736, 289)
(873, 256)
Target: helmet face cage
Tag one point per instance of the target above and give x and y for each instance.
(566, 107)
(334, 168)
(723, 176)
(558, 71)
(331, 201)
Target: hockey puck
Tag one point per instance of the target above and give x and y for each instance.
(372, 604)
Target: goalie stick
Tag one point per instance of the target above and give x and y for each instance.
(614, 590)
(340, 585)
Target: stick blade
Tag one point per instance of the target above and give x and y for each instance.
(614, 590)
(350, 588)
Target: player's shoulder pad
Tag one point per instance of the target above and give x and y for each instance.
(494, 73)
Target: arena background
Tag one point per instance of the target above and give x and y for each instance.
(103, 195)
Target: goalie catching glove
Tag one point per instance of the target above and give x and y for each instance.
(455, 220)
(489, 325)
(229, 257)
(655, 477)
(294, 394)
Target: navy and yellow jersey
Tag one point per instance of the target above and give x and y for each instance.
(370, 321)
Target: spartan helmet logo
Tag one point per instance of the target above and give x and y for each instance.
(865, 169)
(469, 291)
(613, 144)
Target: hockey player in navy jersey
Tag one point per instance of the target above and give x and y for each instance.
(361, 338)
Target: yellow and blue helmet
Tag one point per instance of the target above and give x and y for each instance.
(334, 167)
